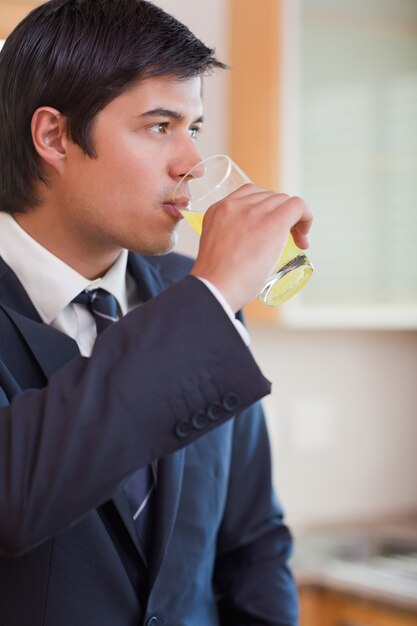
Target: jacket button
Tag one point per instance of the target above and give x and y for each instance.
(182, 430)
(231, 402)
(215, 411)
(199, 420)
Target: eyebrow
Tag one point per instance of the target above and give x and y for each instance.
(171, 114)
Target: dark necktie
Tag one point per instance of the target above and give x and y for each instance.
(102, 306)
(140, 486)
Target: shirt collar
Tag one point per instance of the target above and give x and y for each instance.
(42, 273)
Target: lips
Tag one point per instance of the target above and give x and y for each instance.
(181, 202)
(173, 209)
(174, 206)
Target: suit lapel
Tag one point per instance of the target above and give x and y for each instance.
(13, 294)
(123, 508)
(50, 348)
(170, 474)
(147, 275)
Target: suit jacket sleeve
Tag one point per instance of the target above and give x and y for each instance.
(252, 578)
(67, 447)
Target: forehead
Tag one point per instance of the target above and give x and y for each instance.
(163, 92)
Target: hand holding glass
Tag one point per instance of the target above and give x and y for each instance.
(221, 177)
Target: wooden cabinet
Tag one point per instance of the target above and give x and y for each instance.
(325, 607)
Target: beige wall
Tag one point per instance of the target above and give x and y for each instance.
(342, 419)
(12, 11)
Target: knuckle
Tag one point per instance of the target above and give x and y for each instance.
(283, 196)
(228, 205)
(247, 186)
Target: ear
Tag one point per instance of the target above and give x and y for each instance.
(49, 137)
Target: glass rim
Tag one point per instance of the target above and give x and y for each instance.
(230, 163)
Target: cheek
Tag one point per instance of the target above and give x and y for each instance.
(126, 177)
(131, 177)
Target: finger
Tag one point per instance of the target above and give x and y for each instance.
(256, 193)
(300, 231)
(300, 240)
(249, 196)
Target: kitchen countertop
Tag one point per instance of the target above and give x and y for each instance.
(375, 560)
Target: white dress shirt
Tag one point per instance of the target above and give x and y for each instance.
(43, 274)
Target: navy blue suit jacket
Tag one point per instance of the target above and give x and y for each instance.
(170, 381)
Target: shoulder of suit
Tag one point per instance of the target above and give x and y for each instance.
(172, 266)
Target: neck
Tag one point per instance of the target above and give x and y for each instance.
(85, 256)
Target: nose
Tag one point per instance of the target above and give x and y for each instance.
(197, 171)
(189, 163)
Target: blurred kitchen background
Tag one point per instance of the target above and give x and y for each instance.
(321, 101)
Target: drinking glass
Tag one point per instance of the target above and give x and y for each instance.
(221, 176)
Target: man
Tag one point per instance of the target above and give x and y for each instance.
(100, 103)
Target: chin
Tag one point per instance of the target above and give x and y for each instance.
(155, 248)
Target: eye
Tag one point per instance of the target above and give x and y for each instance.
(194, 131)
(161, 128)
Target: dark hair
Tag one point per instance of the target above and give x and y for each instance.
(77, 56)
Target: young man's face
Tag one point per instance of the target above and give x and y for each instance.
(144, 142)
